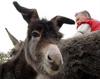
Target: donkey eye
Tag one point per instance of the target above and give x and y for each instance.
(35, 34)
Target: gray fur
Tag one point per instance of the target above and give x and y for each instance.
(81, 55)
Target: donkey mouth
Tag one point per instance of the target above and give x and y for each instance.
(54, 67)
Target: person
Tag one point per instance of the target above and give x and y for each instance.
(85, 23)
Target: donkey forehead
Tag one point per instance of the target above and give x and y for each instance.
(46, 28)
(42, 25)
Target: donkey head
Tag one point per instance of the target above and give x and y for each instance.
(41, 50)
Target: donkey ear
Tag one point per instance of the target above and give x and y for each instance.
(12, 38)
(60, 20)
(27, 14)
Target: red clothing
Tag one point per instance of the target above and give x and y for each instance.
(95, 25)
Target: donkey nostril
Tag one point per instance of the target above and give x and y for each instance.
(49, 58)
(54, 66)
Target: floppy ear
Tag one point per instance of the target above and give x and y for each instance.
(60, 20)
(28, 14)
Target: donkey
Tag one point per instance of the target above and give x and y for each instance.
(39, 57)
(74, 53)
(81, 55)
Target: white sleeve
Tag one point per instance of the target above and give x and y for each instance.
(83, 28)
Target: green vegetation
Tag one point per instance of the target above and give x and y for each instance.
(3, 57)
